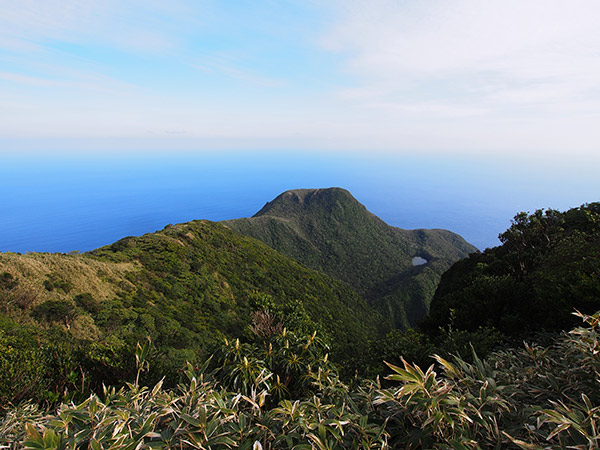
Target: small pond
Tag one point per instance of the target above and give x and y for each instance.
(418, 261)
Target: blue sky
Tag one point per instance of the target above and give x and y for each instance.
(497, 77)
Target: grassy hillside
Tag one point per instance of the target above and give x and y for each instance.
(330, 231)
(29, 281)
(186, 285)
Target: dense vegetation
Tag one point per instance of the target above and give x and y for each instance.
(330, 231)
(533, 398)
(548, 264)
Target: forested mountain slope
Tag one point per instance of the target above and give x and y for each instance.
(548, 264)
(330, 231)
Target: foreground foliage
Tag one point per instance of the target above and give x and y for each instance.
(534, 398)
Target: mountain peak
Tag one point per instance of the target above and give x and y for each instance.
(298, 200)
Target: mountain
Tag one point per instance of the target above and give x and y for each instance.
(76, 318)
(330, 231)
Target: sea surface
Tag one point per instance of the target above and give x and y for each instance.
(67, 202)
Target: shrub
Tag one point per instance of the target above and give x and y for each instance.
(54, 311)
(88, 303)
(537, 397)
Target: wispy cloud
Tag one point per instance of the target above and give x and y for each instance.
(228, 66)
(73, 81)
(134, 25)
(492, 55)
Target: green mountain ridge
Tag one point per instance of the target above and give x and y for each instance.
(187, 286)
(330, 231)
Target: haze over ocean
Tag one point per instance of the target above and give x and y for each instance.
(62, 203)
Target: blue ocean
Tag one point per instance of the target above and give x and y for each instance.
(62, 203)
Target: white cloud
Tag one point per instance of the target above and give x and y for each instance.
(486, 56)
(135, 25)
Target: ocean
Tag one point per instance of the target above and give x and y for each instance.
(67, 202)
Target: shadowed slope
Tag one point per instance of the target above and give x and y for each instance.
(548, 265)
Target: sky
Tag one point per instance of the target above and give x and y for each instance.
(519, 77)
